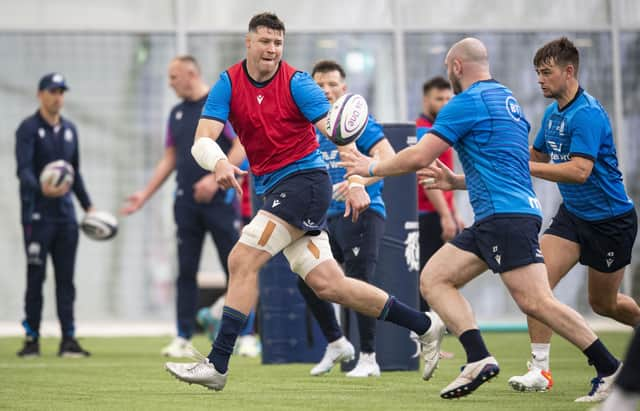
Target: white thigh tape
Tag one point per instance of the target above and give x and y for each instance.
(265, 234)
(307, 253)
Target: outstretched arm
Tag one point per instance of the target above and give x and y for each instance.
(163, 169)
(406, 161)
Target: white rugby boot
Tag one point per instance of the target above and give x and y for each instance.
(201, 372)
(367, 366)
(472, 376)
(600, 388)
(248, 346)
(339, 350)
(534, 380)
(430, 344)
(178, 348)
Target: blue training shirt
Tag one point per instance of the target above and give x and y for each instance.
(181, 129)
(371, 135)
(488, 129)
(309, 98)
(582, 128)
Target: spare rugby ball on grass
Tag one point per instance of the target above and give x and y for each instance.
(347, 119)
(99, 225)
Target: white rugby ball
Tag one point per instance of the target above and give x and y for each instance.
(57, 173)
(99, 225)
(347, 119)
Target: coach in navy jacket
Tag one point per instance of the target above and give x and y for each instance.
(48, 214)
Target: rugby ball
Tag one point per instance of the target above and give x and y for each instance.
(99, 225)
(347, 119)
(57, 173)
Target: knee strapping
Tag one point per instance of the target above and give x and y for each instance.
(265, 234)
(307, 253)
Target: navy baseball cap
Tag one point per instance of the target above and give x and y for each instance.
(52, 81)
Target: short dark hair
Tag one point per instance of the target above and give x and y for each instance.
(438, 83)
(268, 20)
(325, 66)
(187, 58)
(560, 51)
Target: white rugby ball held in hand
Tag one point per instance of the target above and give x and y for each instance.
(57, 173)
(347, 119)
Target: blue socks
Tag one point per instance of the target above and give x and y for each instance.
(232, 323)
(401, 314)
(473, 345)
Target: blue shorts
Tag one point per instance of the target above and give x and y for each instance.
(503, 241)
(302, 200)
(605, 245)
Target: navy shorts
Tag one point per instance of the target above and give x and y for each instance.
(302, 200)
(605, 245)
(503, 241)
(356, 245)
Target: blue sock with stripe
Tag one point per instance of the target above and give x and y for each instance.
(397, 312)
(231, 325)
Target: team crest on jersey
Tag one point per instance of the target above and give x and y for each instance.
(41, 132)
(179, 115)
(68, 135)
(259, 97)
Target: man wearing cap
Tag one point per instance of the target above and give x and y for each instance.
(48, 215)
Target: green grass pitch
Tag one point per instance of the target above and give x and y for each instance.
(128, 374)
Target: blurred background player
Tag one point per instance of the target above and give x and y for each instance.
(48, 215)
(439, 221)
(354, 244)
(596, 224)
(274, 108)
(486, 125)
(437, 216)
(200, 205)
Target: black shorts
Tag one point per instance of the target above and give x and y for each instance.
(503, 241)
(302, 200)
(605, 245)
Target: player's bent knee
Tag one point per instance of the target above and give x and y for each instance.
(266, 234)
(603, 308)
(307, 253)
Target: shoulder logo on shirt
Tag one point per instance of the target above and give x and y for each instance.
(68, 135)
(356, 251)
(259, 97)
(513, 108)
(275, 203)
(179, 115)
(41, 132)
